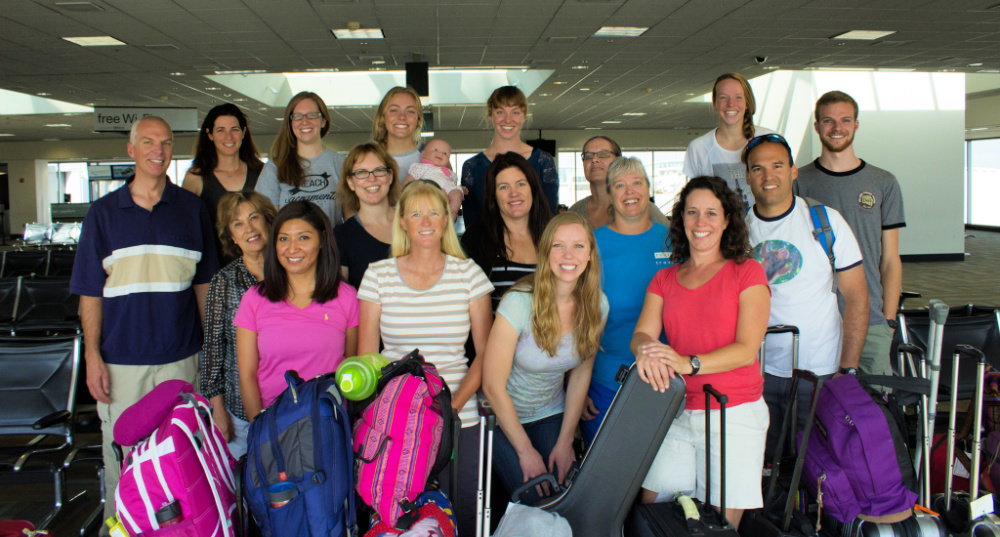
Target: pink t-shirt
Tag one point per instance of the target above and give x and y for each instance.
(309, 340)
(702, 320)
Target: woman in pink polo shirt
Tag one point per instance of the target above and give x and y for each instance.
(303, 316)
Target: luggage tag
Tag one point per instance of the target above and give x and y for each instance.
(982, 507)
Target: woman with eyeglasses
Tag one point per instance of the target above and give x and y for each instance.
(713, 307)
(369, 189)
(717, 153)
(505, 242)
(396, 127)
(507, 110)
(428, 296)
(301, 167)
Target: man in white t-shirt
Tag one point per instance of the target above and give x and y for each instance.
(801, 277)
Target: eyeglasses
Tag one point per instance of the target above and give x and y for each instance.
(307, 115)
(589, 155)
(757, 140)
(365, 174)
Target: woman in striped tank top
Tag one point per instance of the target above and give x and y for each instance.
(428, 296)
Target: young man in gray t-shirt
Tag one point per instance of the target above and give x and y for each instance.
(869, 199)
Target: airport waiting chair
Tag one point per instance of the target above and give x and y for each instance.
(9, 291)
(24, 263)
(38, 397)
(978, 326)
(46, 307)
(61, 263)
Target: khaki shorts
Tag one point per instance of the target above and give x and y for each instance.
(679, 466)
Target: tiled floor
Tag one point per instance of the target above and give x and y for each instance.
(974, 280)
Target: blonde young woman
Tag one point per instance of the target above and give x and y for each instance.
(301, 167)
(428, 296)
(547, 327)
(717, 153)
(369, 189)
(396, 127)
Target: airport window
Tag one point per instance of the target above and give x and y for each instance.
(665, 170)
(983, 182)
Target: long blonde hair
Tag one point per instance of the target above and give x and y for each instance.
(379, 133)
(587, 316)
(413, 192)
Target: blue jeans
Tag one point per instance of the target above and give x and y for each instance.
(776, 393)
(543, 434)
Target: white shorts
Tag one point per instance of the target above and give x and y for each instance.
(679, 466)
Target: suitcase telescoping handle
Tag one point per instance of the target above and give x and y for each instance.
(722, 399)
(780, 329)
(970, 352)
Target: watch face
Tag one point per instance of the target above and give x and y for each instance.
(695, 362)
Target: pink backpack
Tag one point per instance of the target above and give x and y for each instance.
(398, 439)
(178, 478)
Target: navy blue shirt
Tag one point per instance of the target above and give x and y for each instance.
(143, 265)
(474, 178)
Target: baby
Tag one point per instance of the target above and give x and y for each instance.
(435, 165)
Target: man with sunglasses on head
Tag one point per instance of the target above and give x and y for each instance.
(597, 154)
(804, 280)
(870, 200)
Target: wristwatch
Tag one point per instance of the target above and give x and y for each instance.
(695, 364)
(893, 323)
(848, 370)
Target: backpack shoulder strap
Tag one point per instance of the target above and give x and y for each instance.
(823, 233)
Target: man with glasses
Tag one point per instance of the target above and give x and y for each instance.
(870, 200)
(142, 270)
(598, 152)
(804, 278)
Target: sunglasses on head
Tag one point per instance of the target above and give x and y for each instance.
(776, 138)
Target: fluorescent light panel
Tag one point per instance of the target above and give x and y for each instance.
(865, 35)
(361, 33)
(95, 41)
(620, 31)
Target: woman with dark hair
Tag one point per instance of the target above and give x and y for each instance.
(505, 242)
(718, 152)
(507, 109)
(713, 307)
(225, 160)
(302, 316)
(396, 127)
(301, 167)
(540, 355)
(245, 220)
(369, 189)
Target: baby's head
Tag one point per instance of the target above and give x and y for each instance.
(437, 151)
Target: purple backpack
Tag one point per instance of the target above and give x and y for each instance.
(857, 454)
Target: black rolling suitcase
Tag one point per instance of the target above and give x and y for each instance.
(685, 516)
(599, 496)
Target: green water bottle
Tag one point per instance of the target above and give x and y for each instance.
(357, 376)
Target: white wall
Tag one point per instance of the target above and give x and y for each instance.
(911, 124)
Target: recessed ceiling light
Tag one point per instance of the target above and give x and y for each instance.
(58, 125)
(771, 67)
(95, 41)
(239, 100)
(544, 94)
(376, 68)
(988, 71)
(5, 134)
(979, 129)
(665, 103)
(607, 93)
(977, 64)
(429, 134)
(580, 67)
(212, 88)
(177, 73)
(559, 82)
(359, 33)
(865, 35)
(591, 128)
(43, 94)
(634, 114)
(280, 118)
(620, 31)
(615, 122)
(326, 70)
(244, 72)
(584, 89)
(378, 62)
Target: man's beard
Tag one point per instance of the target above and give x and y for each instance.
(844, 143)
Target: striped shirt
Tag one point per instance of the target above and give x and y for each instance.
(434, 320)
(504, 275)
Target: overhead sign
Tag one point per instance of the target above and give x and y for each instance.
(121, 118)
